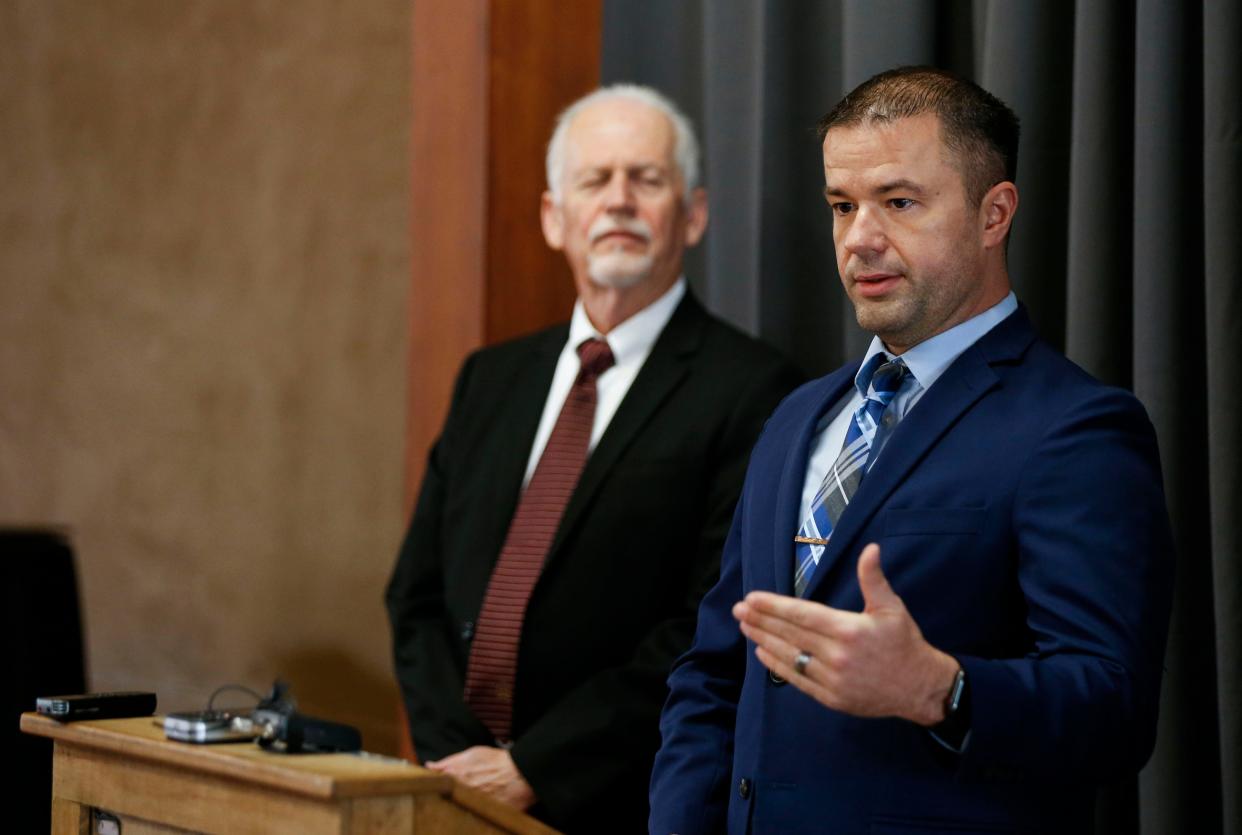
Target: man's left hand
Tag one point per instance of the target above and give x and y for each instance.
(490, 770)
(870, 663)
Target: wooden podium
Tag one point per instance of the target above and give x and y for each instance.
(127, 768)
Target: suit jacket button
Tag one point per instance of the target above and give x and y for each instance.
(775, 679)
(743, 788)
(467, 630)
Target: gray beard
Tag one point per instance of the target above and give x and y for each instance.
(618, 270)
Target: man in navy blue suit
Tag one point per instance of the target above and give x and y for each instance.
(944, 599)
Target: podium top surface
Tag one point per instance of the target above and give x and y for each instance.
(324, 776)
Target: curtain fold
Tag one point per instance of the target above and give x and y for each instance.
(1222, 249)
(1126, 249)
(733, 83)
(1098, 265)
(1169, 350)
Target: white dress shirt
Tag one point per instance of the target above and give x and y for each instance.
(631, 342)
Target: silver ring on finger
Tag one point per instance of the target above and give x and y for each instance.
(801, 661)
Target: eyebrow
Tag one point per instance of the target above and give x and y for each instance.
(900, 184)
(635, 166)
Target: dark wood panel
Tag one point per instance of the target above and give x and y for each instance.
(544, 54)
(488, 78)
(448, 209)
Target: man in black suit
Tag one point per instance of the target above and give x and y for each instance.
(611, 602)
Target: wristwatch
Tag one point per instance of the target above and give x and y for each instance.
(953, 728)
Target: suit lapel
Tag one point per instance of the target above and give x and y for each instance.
(667, 364)
(965, 381)
(524, 400)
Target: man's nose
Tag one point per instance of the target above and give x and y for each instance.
(865, 233)
(619, 195)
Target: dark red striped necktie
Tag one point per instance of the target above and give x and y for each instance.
(492, 668)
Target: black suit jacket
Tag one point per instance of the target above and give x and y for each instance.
(637, 548)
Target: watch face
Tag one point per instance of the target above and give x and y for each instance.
(954, 701)
(955, 727)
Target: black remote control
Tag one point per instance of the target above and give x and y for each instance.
(97, 705)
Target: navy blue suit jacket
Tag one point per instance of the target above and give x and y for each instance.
(1021, 517)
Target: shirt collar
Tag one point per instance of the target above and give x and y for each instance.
(929, 359)
(635, 336)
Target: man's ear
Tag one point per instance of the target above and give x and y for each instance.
(999, 206)
(696, 216)
(552, 221)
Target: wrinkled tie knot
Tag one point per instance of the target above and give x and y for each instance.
(595, 358)
(885, 379)
(888, 376)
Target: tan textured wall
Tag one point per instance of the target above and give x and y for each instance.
(203, 278)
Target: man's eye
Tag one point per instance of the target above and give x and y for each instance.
(842, 208)
(901, 202)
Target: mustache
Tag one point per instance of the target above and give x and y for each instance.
(607, 225)
(859, 267)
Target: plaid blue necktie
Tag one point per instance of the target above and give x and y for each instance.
(846, 473)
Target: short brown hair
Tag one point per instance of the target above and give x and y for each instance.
(980, 129)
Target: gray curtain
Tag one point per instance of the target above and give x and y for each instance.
(1126, 250)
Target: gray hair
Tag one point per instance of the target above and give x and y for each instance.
(685, 144)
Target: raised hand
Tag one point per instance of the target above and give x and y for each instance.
(870, 663)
